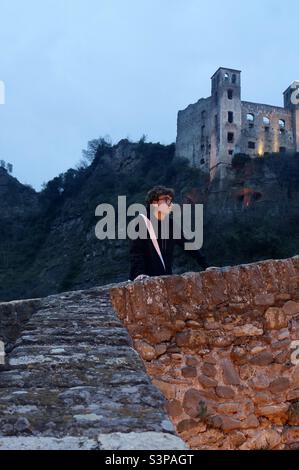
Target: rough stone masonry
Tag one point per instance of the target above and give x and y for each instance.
(212, 130)
(212, 351)
(73, 381)
(218, 344)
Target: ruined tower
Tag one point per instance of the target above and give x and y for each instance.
(212, 130)
(225, 114)
(291, 102)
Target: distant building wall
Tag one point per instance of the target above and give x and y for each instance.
(212, 130)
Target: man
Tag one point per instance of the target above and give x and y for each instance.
(150, 257)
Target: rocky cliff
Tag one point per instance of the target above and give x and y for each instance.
(47, 239)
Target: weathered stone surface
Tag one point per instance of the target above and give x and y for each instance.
(189, 371)
(262, 440)
(146, 351)
(73, 376)
(279, 385)
(191, 426)
(291, 308)
(216, 344)
(247, 330)
(293, 394)
(48, 443)
(209, 369)
(140, 441)
(206, 381)
(260, 382)
(174, 408)
(276, 413)
(262, 359)
(191, 361)
(192, 402)
(230, 374)
(225, 392)
(293, 413)
(236, 328)
(264, 299)
(291, 435)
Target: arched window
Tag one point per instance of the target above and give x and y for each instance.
(234, 78)
(250, 117)
(266, 121)
(226, 77)
(230, 94)
(282, 123)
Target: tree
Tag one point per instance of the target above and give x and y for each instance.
(93, 146)
(7, 166)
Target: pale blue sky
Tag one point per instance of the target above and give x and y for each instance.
(75, 70)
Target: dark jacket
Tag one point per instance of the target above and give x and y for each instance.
(144, 258)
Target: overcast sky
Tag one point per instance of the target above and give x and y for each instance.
(75, 70)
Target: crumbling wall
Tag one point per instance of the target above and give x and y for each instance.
(220, 346)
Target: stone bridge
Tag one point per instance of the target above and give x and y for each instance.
(73, 381)
(202, 360)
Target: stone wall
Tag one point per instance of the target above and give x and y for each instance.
(73, 381)
(191, 143)
(218, 344)
(266, 142)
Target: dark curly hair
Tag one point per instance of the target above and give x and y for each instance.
(156, 192)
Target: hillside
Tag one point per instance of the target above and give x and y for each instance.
(48, 244)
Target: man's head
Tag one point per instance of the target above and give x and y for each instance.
(161, 198)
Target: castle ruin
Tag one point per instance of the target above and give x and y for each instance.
(212, 130)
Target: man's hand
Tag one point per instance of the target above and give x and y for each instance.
(141, 276)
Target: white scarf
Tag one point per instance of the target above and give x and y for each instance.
(152, 233)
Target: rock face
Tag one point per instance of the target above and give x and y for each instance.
(73, 381)
(220, 345)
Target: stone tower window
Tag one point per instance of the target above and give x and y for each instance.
(230, 137)
(226, 77)
(203, 114)
(250, 117)
(234, 78)
(266, 121)
(230, 94)
(230, 116)
(251, 145)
